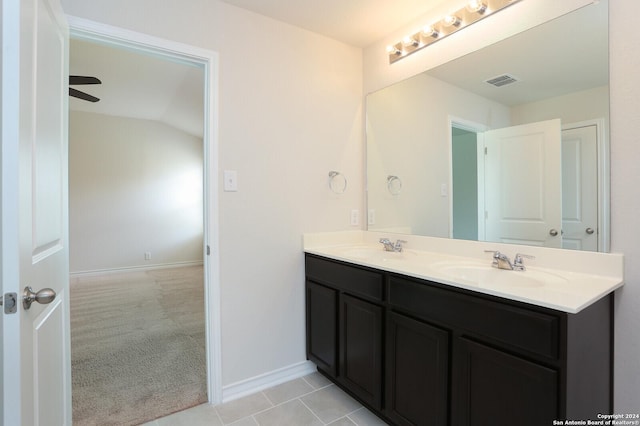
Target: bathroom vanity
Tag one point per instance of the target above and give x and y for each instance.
(436, 351)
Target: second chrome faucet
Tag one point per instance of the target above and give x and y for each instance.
(501, 261)
(389, 246)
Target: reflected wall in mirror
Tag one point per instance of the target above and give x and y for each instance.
(523, 163)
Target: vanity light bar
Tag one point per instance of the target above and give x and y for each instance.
(474, 11)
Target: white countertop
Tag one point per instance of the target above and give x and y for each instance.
(564, 280)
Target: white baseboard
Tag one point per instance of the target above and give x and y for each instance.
(266, 380)
(136, 268)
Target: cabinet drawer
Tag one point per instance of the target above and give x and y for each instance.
(347, 278)
(519, 328)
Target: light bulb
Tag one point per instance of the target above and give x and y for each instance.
(451, 21)
(429, 31)
(409, 41)
(392, 50)
(477, 6)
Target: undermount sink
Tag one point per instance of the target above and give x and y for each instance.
(486, 275)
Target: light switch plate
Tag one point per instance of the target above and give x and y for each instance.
(230, 180)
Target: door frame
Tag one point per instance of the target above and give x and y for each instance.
(604, 185)
(92, 31)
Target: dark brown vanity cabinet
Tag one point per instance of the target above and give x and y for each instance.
(360, 349)
(345, 326)
(322, 327)
(422, 353)
(494, 387)
(417, 372)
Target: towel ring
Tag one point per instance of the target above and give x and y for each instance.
(394, 184)
(337, 182)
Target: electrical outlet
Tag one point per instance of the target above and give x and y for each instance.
(355, 217)
(147, 255)
(371, 217)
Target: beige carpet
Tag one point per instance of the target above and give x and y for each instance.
(137, 345)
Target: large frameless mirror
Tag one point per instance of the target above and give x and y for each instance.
(507, 144)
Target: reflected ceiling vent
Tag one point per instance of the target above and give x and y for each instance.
(502, 80)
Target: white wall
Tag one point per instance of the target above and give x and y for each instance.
(572, 108)
(135, 186)
(290, 112)
(624, 55)
(408, 136)
(625, 149)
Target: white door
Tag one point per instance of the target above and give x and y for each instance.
(523, 184)
(36, 360)
(580, 188)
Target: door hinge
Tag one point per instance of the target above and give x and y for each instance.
(208, 250)
(9, 302)
(485, 150)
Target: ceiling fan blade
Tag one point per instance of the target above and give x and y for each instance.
(80, 79)
(81, 95)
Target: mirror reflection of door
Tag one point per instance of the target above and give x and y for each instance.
(519, 193)
(580, 187)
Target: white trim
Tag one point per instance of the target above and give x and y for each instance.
(267, 380)
(106, 34)
(9, 219)
(139, 268)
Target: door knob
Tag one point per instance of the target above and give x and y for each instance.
(590, 231)
(553, 232)
(44, 296)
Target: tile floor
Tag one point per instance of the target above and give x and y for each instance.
(309, 401)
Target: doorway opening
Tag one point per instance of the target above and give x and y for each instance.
(466, 179)
(190, 173)
(464, 184)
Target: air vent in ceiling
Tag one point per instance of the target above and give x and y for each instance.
(502, 80)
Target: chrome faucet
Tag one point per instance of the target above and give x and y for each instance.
(518, 264)
(389, 246)
(501, 261)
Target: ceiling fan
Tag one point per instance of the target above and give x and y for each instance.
(79, 79)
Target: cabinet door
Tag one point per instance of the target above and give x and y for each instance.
(491, 387)
(322, 330)
(361, 349)
(417, 372)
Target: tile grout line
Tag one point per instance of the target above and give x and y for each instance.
(313, 412)
(252, 414)
(273, 405)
